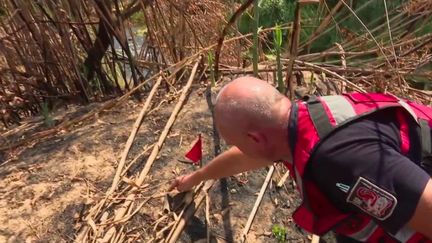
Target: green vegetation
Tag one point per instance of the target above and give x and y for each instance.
(343, 26)
(138, 18)
(210, 62)
(279, 232)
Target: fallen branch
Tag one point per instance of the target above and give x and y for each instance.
(189, 199)
(283, 179)
(257, 203)
(343, 62)
(207, 215)
(190, 211)
(132, 135)
(295, 39)
(120, 213)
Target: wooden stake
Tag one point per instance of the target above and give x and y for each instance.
(257, 203)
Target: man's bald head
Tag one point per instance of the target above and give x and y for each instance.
(249, 108)
(248, 103)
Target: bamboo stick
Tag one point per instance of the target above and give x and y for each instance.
(129, 142)
(207, 215)
(257, 203)
(295, 38)
(315, 239)
(343, 62)
(82, 235)
(169, 124)
(283, 179)
(190, 211)
(152, 157)
(221, 38)
(189, 200)
(132, 135)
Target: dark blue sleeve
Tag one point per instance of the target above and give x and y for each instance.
(360, 168)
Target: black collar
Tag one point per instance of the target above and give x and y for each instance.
(292, 128)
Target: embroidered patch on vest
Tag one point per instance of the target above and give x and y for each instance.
(372, 199)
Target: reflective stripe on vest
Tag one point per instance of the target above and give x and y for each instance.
(339, 108)
(365, 233)
(404, 235)
(315, 118)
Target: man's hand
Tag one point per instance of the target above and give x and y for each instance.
(229, 163)
(183, 183)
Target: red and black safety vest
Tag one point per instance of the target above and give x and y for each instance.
(316, 118)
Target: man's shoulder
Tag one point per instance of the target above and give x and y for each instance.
(378, 127)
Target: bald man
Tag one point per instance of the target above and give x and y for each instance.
(360, 160)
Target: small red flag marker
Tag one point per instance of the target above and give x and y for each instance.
(195, 153)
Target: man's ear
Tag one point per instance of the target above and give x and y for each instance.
(257, 137)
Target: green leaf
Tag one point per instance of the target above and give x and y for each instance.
(279, 233)
(210, 60)
(278, 36)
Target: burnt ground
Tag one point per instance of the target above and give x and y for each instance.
(47, 187)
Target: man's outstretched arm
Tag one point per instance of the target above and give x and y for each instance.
(229, 163)
(422, 219)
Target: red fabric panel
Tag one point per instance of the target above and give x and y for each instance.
(423, 112)
(404, 131)
(354, 225)
(326, 214)
(372, 97)
(304, 218)
(417, 238)
(363, 103)
(306, 140)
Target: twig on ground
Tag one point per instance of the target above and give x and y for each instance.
(189, 212)
(283, 179)
(315, 239)
(257, 203)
